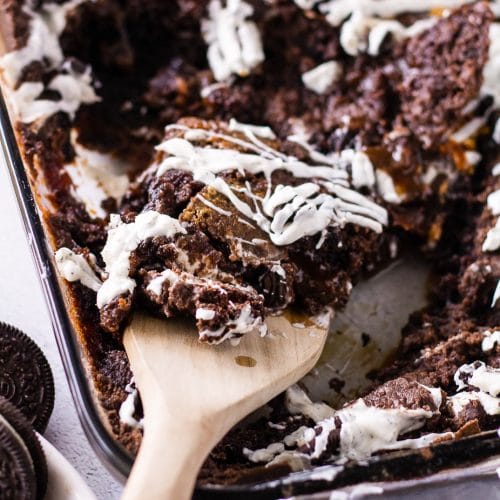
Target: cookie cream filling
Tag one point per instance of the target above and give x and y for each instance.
(234, 42)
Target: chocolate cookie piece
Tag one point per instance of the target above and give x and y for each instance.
(11, 416)
(445, 72)
(25, 376)
(17, 474)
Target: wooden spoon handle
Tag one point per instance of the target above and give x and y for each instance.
(171, 454)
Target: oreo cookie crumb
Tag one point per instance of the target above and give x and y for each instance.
(365, 339)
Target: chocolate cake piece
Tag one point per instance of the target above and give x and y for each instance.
(247, 211)
(444, 73)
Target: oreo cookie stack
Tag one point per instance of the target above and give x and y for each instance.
(26, 403)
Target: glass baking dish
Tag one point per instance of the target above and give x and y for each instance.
(380, 470)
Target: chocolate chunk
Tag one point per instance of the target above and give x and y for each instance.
(25, 376)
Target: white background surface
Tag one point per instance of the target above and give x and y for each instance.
(22, 305)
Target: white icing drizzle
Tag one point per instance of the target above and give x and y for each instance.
(244, 322)
(459, 401)
(234, 42)
(321, 78)
(491, 79)
(205, 314)
(122, 240)
(278, 269)
(490, 340)
(496, 169)
(496, 295)
(496, 132)
(327, 473)
(156, 284)
(306, 4)
(366, 429)
(213, 206)
(286, 213)
(127, 408)
(492, 240)
(493, 202)
(279, 427)
(74, 88)
(472, 157)
(264, 454)
(43, 45)
(365, 23)
(258, 130)
(491, 72)
(363, 174)
(478, 375)
(298, 402)
(469, 129)
(363, 33)
(338, 10)
(386, 188)
(75, 267)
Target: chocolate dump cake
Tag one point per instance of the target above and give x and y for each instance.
(228, 160)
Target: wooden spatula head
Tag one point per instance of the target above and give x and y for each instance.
(193, 393)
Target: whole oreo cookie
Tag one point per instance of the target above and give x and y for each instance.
(13, 420)
(17, 473)
(25, 376)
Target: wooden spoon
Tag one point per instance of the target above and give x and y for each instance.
(194, 393)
